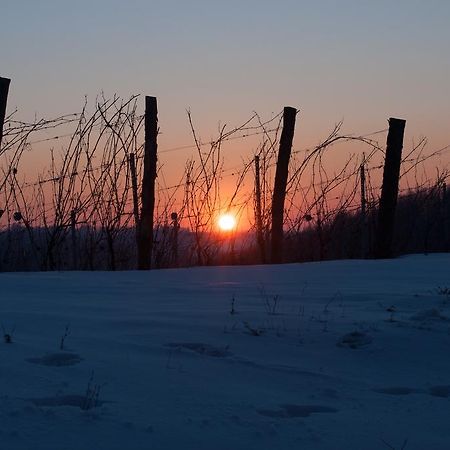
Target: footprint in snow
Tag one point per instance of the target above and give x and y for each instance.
(435, 391)
(77, 401)
(439, 391)
(397, 390)
(288, 411)
(202, 349)
(429, 315)
(57, 359)
(354, 340)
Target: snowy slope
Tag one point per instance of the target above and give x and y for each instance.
(333, 355)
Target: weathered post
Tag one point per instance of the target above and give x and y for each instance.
(134, 190)
(4, 88)
(279, 190)
(445, 217)
(389, 190)
(175, 229)
(362, 172)
(73, 224)
(258, 213)
(145, 235)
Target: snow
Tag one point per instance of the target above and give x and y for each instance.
(330, 355)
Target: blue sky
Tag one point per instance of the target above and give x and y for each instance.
(362, 61)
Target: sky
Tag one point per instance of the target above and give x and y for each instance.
(357, 60)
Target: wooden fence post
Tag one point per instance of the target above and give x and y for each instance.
(389, 190)
(73, 224)
(175, 230)
(145, 236)
(258, 213)
(134, 190)
(4, 88)
(279, 190)
(445, 217)
(362, 171)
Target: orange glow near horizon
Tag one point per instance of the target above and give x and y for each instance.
(227, 222)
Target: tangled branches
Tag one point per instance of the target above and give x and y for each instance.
(82, 210)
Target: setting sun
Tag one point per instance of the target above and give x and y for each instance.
(227, 222)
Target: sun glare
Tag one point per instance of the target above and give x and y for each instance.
(227, 222)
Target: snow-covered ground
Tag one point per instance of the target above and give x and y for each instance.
(332, 355)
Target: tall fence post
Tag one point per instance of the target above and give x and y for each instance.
(362, 172)
(258, 213)
(73, 224)
(145, 235)
(134, 190)
(389, 190)
(279, 190)
(175, 230)
(445, 217)
(4, 88)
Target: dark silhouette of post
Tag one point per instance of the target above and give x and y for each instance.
(175, 230)
(73, 224)
(258, 213)
(279, 190)
(134, 190)
(4, 88)
(444, 217)
(362, 172)
(389, 190)
(145, 235)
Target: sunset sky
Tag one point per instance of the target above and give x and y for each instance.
(360, 61)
